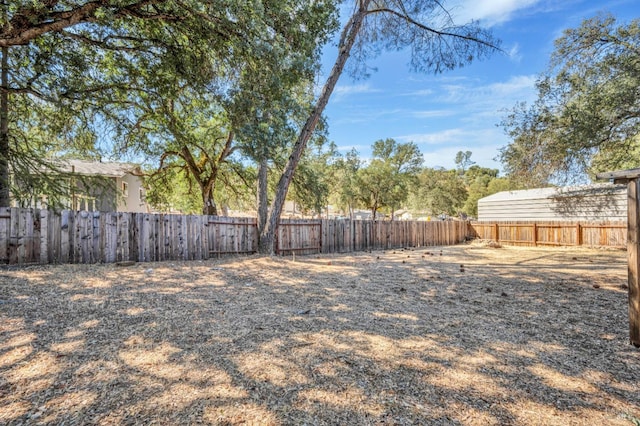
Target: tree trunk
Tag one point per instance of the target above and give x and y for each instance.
(263, 198)
(347, 39)
(209, 207)
(5, 195)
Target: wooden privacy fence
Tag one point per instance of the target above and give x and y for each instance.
(590, 234)
(44, 236)
(344, 236)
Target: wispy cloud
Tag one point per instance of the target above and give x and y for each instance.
(483, 155)
(491, 12)
(472, 95)
(422, 92)
(343, 91)
(433, 113)
(514, 53)
(347, 148)
(360, 115)
(515, 85)
(440, 147)
(436, 138)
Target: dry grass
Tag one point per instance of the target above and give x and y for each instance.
(475, 335)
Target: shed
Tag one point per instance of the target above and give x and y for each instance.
(598, 202)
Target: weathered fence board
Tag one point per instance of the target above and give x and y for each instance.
(42, 236)
(526, 233)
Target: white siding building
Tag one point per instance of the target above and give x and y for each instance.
(599, 202)
(128, 193)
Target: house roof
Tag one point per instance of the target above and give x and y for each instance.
(96, 168)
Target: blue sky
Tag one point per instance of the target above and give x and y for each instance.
(459, 110)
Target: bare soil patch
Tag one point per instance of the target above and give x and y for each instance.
(464, 335)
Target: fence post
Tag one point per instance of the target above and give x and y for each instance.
(633, 248)
(578, 234)
(632, 179)
(44, 236)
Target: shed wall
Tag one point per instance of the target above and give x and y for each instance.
(608, 206)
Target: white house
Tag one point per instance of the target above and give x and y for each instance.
(98, 186)
(129, 194)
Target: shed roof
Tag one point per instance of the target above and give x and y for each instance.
(552, 192)
(620, 176)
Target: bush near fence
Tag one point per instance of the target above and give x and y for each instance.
(44, 236)
(557, 233)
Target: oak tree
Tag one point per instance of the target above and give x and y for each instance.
(586, 118)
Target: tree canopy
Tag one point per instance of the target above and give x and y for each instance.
(586, 118)
(386, 180)
(107, 69)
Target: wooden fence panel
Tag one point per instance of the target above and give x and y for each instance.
(28, 236)
(526, 233)
(14, 240)
(54, 225)
(96, 232)
(5, 234)
(228, 235)
(43, 223)
(109, 223)
(299, 237)
(164, 240)
(122, 253)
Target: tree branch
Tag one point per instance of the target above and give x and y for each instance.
(104, 43)
(426, 28)
(28, 23)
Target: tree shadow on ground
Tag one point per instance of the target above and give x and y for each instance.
(451, 335)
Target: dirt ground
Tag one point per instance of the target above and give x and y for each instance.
(464, 335)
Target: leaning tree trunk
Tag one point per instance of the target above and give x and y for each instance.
(5, 200)
(263, 198)
(347, 39)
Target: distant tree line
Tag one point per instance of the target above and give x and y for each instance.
(396, 179)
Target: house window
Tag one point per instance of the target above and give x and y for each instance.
(125, 189)
(141, 195)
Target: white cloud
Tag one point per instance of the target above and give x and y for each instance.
(514, 53)
(440, 148)
(422, 92)
(347, 148)
(491, 12)
(515, 85)
(360, 115)
(342, 91)
(484, 156)
(494, 96)
(435, 138)
(433, 113)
